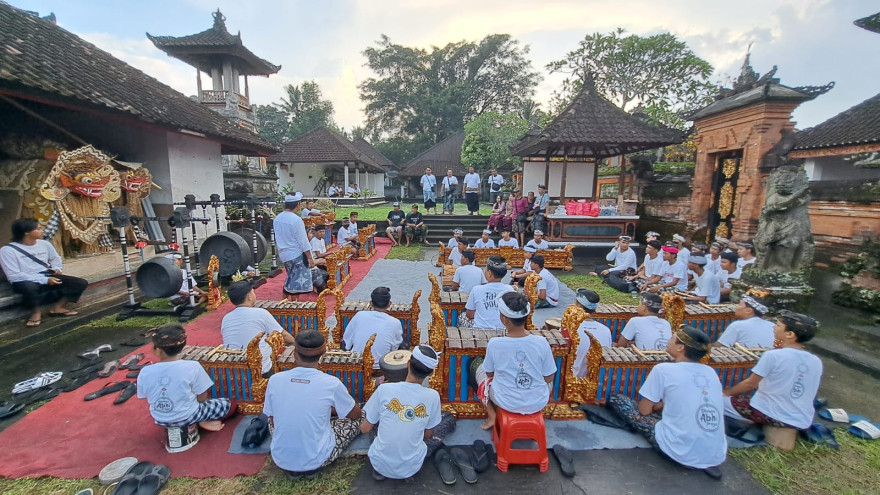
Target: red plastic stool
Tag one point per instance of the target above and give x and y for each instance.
(512, 426)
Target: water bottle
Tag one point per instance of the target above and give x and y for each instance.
(635, 294)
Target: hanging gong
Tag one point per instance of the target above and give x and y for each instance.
(159, 277)
(394, 365)
(231, 249)
(247, 234)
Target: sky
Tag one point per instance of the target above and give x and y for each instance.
(812, 41)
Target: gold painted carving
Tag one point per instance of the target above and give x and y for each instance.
(368, 360)
(337, 293)
(415, 337)
(729, 167)
(215, 296)
(575, 387)
(255, 364)
(531, 291)
(674, 309)
(725, 200)
(722, 231)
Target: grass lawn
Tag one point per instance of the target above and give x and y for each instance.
(415, 252)
(373, 213)
(606, 294)
(110, 321)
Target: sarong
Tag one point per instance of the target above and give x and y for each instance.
(299, 277)
(473, 201)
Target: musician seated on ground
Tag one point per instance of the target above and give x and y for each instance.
(680, 412)
(673, 275)
(706, 286)
(538, 241)
(786, 379)
(410, 425)
(300, 404)
(746, 253)
(454, 256)
(319, 247)
(481, 308)
(680, 243)
(346, 236)
(647, 330)
(622, 258)
(415, 226)
(749, 329)
(453, 241)
(728, 272)
(395, 218)
(353, 217)
(177, 389)
(518, 277)
(389, 333)
(33, 268)
(468, 276)
(484, 241)
(518, 369)
(713, 260)
(652, 236)
(649, 273)
(548, 286)
(182, 296)
(243, 323)
(589, 300)
(506, 240)
(310, 210)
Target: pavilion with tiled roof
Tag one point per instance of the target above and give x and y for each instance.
(856, 130)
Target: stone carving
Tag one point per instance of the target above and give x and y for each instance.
(784, 241)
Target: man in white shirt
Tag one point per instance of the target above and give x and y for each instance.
(707, 288)
(674, 273)
(472, 191)
(453, 241)
(243, 323)
(548, 286)
(389, 332)
(713, 260)
(467, 276)
(429, 187)
(310, 210)
(347, 235)
(332, 191)
(681, 244)
(454, 257)
(484, 241)
(495, 181)
(448, 188)
(481, 307)
(538, 241)
(518, 277)
(622, 258)
(182, 296)
(728, 272)
(353, 190)
(749, 329)
(746, 253)
(294, 249)
(299, 403)
(681, 406)
(506, 240)
(589, 300)
(647, 331)
(650, 271)
(319, 248)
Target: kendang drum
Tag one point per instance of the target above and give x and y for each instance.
(394, 365)
(248, 234)
(159, 277)
(231, 250)
(552, 324)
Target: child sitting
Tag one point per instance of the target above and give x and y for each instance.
(176, 389)
(518, 369)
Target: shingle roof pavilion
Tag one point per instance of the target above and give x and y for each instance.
(857, 125)
(202, 50)
(322, 145)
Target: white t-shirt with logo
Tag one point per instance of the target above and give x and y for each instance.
(670, 272)
(171, 388)
(299, 402)
(403, 412)
(472, 180)
(751, 332)
(707, 285)
(790, 381)
(650, 333)
(520, 365)
(482, 301)
(597, 330)
(692, 429)
(389, 333)
(242, 324)
(551, 285)
(510, 242)
(468, 277)
(484, 244)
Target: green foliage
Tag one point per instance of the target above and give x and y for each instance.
(412, 253)
(488, 138)
(658, 72)
(680, 168)
(419, 97)
(606, 294)
(303, 110)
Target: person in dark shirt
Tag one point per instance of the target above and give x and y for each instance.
(394, 231)
(415, 226)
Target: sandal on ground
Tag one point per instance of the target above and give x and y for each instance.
(130, 481)
(840, 416)
(138, 367)
(42, 394)
(8, 409)
(133, 342)
(566, 461)
(481, 456)
(96, 352)
(132, 374)
(462, 461)
(126, 394)
(108, 388)
(713, 472)
(39, 381)
(820, 435)
(131, 360)
(33, 323)
(77, 381)
(865, 430)
(88, 363)
(445, 466)
(63, 314)
(109, 368)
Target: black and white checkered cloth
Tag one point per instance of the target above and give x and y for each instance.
(52, 226)
(209, 410)
(105, 241)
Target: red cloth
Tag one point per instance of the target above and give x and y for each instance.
(71, 438)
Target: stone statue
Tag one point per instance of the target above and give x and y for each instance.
(784, 241)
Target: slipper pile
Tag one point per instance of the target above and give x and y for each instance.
(96, 352)
(144, 478)
(39, 381)
(125, 388)
(859, 426)
(459, 460)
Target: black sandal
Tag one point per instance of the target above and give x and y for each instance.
(107, 389)
(462, 461)
(566, 461)
(445, 466)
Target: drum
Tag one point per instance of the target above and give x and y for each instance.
(181, 439)
(231, 249)
(394, 365)
(553, 324)
(247, 234)
(159, 277)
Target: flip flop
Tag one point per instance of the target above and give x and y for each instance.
(126, 393)
(78, 381)
(742, 431)
(566, 461)
(108, 388)
(33, 323)
(39, 381)
(462, 460)
(133, 342)
(154, 481)
(445, 466)
(8, 409)
(840, 416)
(131, 360)
(132, 374)
(481, 456)
(86, 491)
(62, 315)
(89, 363)
(96, 352)
(820, 435)
(865, 430)
(820, 402)
(109, 368)
(138, 367)
(29, 398)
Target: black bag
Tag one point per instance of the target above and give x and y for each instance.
(256, 432)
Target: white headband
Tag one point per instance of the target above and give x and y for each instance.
(430, 362)
(506, 311)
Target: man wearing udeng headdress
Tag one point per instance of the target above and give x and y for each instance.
(294, 248)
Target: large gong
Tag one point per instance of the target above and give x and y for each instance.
(231, 249)
(159, 277)
(247, 234)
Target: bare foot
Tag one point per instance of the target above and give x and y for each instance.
(211, 425)
(488, 424)
(594, 274)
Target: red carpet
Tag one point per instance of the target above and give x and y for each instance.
(71, 438)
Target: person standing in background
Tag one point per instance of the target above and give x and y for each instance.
(472, 191)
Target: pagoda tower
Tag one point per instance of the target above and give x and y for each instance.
(222, 56)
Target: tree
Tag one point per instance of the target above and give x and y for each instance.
(658, 72)
(301, 111)
(488, 138)
(419, 97)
